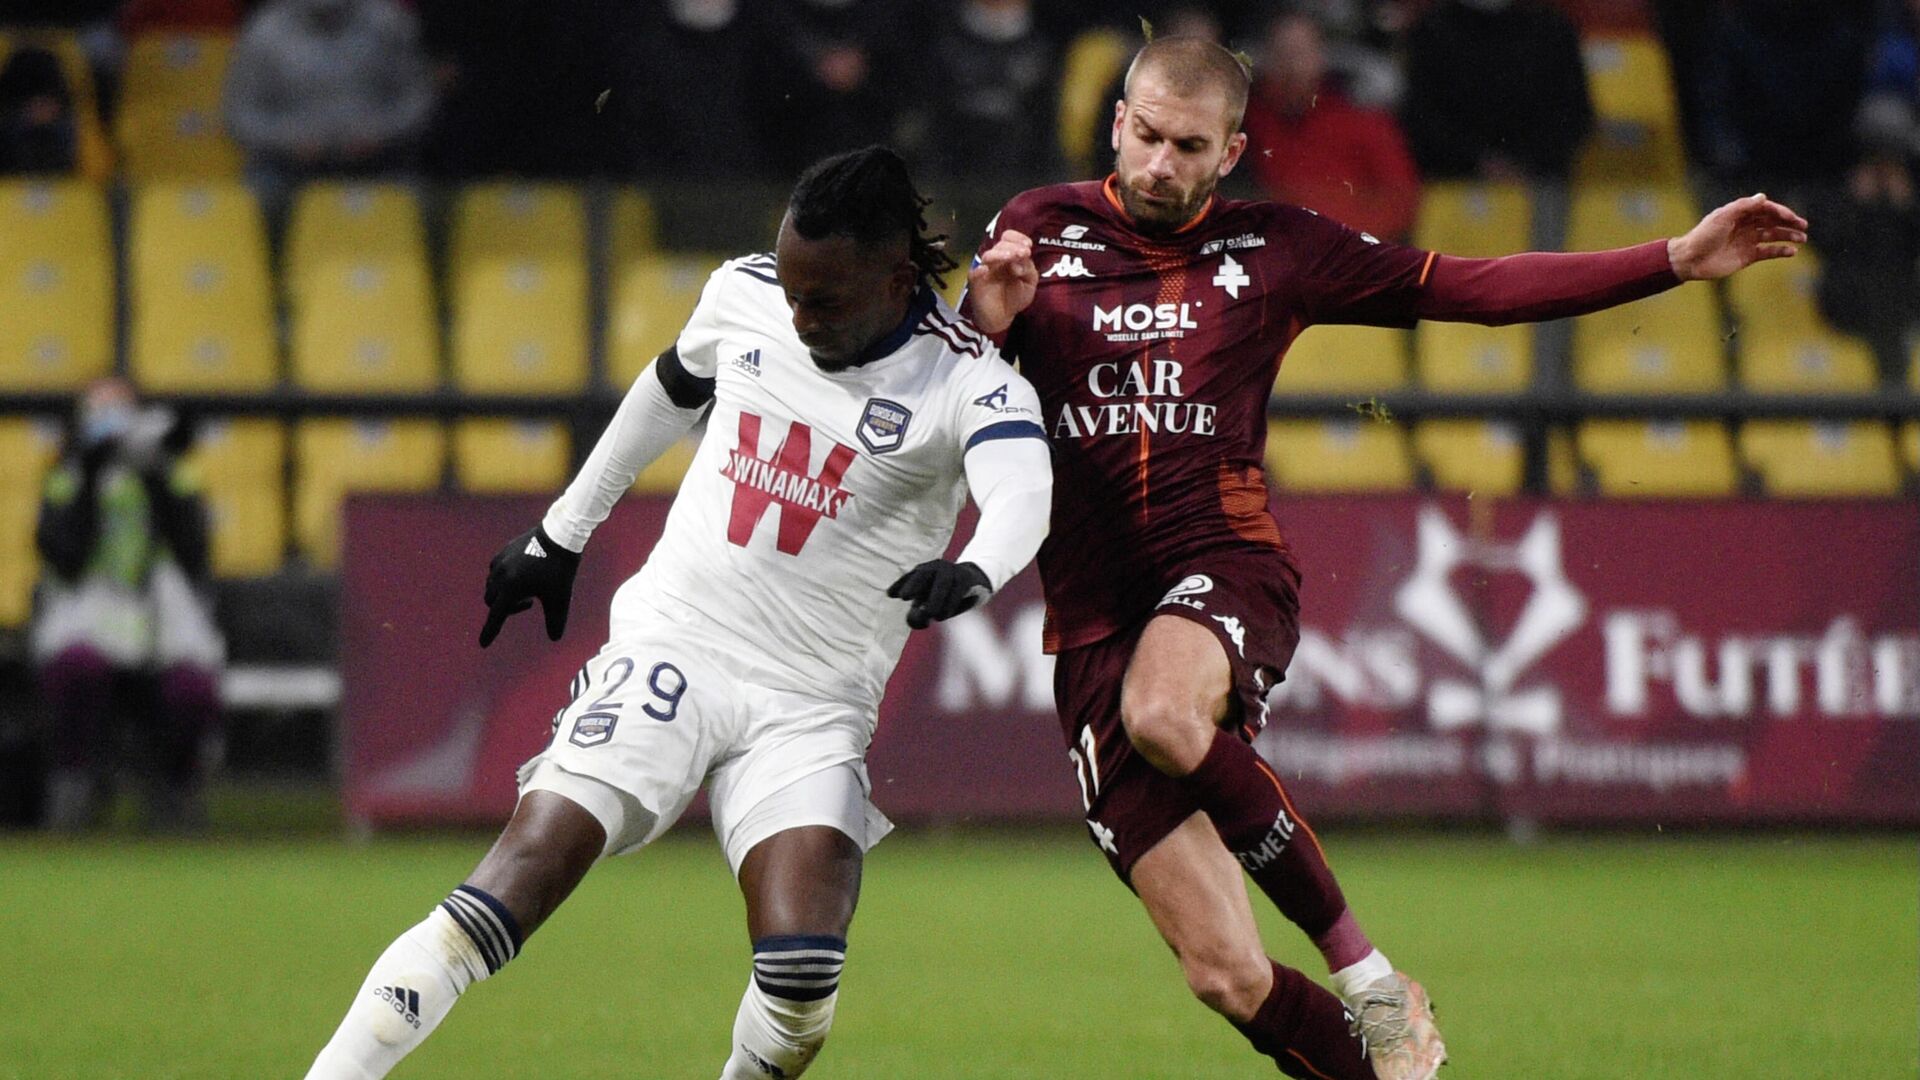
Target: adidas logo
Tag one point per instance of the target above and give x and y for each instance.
(748, 362)
(404, 1001)
(764, 1065)
(534, 549)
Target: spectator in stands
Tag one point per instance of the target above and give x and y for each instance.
(1496, 89)
(834, 74)
(1870, 230)
(1360, 39)
(123, 617)
(670, 47)
(38, 133)
(178, 17)
(1309, 145)
(1783, 80)
(328, 88)
(991, 93)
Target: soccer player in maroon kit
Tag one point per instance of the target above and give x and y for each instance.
(1152, 318)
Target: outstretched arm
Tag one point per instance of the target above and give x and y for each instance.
(1002, 282)
(1535, 286)
(1012, 484)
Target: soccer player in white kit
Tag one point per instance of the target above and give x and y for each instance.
(852, 413)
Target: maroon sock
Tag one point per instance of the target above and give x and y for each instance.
(1250, 809)
(1304, 1028)
(77, 684)
(189, 710)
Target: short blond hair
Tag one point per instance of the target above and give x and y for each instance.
(1192, 66)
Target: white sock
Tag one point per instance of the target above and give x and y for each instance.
(1355, 977)
(411, 989)
(777, 1035)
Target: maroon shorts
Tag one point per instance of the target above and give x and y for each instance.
(1248, 601)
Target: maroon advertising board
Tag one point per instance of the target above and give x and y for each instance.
(1604, 661)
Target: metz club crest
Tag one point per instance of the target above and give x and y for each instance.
(883, 427)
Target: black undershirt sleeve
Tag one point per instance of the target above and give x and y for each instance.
(685, 389)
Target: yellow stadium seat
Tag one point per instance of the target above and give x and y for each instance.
(1338, 455)
(1479, 221)
(1563, 464)
(199, 294)
(1611, 216)
(664, 475)
(360, 292)
(1092, 61)
(1670, 343)
(1634, 458)
(652, 299)
(1637, 134)
(633, 230)
(1478, 456)
(1465, 358)
(1910, 443)
(28, 448)
(519, 290)
(171, 123)
(56, 285)
(337, 457)
(93, 156)
(1784, 345)
(499, 455)
(1334, 359)
(242, 467)
(1913, 366)
(1798, 458)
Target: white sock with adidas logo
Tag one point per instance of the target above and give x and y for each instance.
(410, 990)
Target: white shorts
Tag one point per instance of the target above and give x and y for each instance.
(656, 713)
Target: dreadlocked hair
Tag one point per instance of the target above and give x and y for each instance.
(867, 195)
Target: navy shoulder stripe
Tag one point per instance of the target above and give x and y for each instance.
(1006, 429)
(757, 275)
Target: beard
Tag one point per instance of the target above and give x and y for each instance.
(1162, 218)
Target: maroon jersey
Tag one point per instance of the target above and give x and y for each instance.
(1154, 359)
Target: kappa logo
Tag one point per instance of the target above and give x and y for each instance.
(1231, 277)
(995, 400)
(1069, 266)
(1429, 603)
(748, 362)
(1184, 593)
(1235, 631)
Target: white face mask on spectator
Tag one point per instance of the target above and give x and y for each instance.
(704, 15)
(999, 21)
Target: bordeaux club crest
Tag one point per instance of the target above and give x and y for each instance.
(883, 427)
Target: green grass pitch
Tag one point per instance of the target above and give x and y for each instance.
(975, 955)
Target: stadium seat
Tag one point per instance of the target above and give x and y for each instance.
(1092, 61)
(199, 295)
(1478, 221)
(1637, 131)
(1478, 456)
(242, 467)
(652, 298)
(633, 228)
(93, 156)
(499, 455)
(1465, 358)
(1333, 359)
(1563, 463)
(1910, 444)
(1784, 345)
(56, 285)
(519, 290)
(1665, 344)
(1798, 458)
(1648, 459)
(171, 123)
(27, 449)
(664, 475)
(336, 457)
(1338, 455)
(360, 292)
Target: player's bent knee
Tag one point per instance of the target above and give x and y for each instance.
(1172, 736)
(1233, 988)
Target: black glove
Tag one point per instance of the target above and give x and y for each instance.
(530, 566)
(939, 590)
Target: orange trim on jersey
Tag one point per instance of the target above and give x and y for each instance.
(1307, 1064)
(1427, 267)
(1243, 499)
(1288, 803)
(1109, 188)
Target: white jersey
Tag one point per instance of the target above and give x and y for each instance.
(813, 491)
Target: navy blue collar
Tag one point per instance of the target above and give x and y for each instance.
(917, 309)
